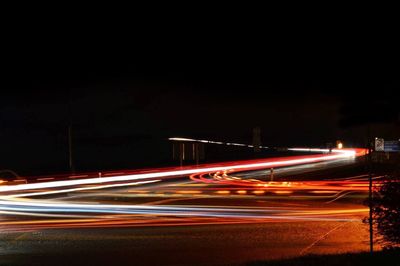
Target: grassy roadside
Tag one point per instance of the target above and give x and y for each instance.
(381, 258)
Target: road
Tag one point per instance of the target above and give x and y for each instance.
(199, 215)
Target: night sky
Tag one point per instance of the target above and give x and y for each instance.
(123, 106)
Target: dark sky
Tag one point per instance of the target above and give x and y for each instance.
(121, 102)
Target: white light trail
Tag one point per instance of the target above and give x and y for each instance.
(214, 142)
(78, 189)
(249, 166)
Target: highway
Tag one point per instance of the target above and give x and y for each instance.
(192, 209)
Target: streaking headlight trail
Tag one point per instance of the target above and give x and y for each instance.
(66, 203)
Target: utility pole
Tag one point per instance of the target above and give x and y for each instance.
(71, 162)
(256, 139)
(197, 155)
(369, 161)
(70, 158)
(181, 153)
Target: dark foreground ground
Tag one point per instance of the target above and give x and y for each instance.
(381, 258)
(182, 245)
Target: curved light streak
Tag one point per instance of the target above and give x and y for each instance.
(12, 196)
(257, 164)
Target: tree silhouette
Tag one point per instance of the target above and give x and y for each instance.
(386, 210)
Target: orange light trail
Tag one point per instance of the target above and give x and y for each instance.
(215, 181)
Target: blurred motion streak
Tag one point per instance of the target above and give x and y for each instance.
(65, 202)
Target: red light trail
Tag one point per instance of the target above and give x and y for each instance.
(212, 181)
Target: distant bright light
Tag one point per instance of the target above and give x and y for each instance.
(340, 145)
(182, 139)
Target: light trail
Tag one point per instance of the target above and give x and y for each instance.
(38, 206)
(238, 166)
(78, 189)
(14, 198)
(214, 142)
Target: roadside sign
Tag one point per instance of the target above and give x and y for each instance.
(379, 144)
(392, 146)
